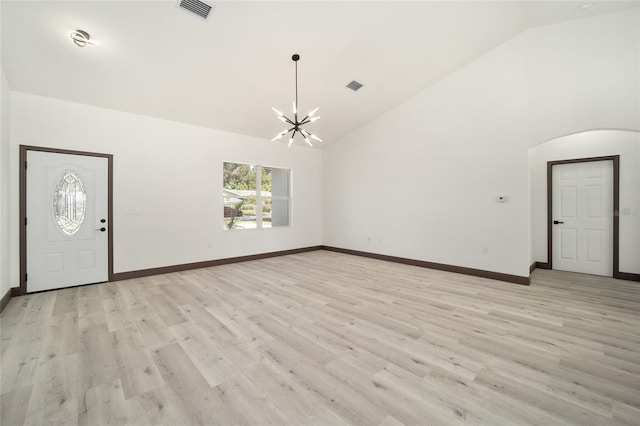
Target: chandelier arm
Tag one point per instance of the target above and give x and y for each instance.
(289, 121)
(296, 62)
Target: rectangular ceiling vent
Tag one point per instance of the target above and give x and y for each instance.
(354, 85)
(198, 7)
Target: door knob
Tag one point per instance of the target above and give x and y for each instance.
(557, 222)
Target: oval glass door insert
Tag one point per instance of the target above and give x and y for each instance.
(69, 203)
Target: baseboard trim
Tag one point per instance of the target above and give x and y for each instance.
(439, 266)
(617, 275)
(543, 265)
(516, 279)
(5, 299)
(627, 276)
(120, 276)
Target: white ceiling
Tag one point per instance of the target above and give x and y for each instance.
(227, 72)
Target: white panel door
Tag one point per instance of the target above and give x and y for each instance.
(582, 217)
(67, 206)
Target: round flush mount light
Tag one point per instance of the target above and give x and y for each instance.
(588, 5)
(80, 38)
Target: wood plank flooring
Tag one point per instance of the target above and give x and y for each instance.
(322, 338)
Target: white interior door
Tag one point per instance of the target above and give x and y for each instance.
(67, 206)
(582, 217)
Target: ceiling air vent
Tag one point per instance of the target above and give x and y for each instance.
(198, 7)
(354, 85)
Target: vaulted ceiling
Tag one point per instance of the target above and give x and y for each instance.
(155, 59)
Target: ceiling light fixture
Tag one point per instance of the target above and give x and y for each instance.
(309, 118)
(80, 38)
(588, 5)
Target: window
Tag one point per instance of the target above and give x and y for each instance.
(246, 207)
(69, 203)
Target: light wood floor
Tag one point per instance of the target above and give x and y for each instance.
(326, 339)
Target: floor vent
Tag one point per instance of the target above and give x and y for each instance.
(198, 7)
(354, 85)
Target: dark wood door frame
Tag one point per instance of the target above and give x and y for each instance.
(616, 209)
(23, 208)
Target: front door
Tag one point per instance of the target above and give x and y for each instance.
(67, 223)
(582, 229)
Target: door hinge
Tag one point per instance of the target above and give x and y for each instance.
(25, 164)
(25, 221)
(25, 277)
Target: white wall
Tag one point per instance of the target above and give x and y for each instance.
(594, 144)
(5, 252)
(421, 180)
(172, 174)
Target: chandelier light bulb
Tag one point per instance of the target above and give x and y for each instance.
(279, 135)
(313, 112)
(281, 118)
(315, 119)
(295, 110)
(308, 141)
(277, 112)
(290, 142)
(316, 138)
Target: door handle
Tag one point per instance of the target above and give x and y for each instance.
(557, 222)
(101, 229)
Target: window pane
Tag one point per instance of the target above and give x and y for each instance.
(239, 177)
(69, 203)
(246, 217)
(275, 181)
(278, 213)
(266, 212)
(232, 212)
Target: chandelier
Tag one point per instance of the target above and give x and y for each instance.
(297, 123)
